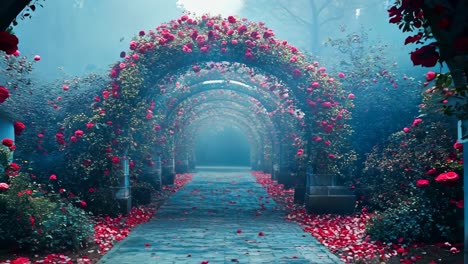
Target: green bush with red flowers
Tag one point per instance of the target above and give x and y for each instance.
(414, 219)
(445, 23)
(33, 220)
(416, 175)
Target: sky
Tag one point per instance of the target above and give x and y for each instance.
(75, 37)
(223, 7)
(82, 36)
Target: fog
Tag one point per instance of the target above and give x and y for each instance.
(223, 147)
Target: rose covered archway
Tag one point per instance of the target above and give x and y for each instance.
(129, 118)
(275, 127)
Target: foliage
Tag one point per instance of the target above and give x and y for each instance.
(414, 219)
(454, 99)
(31, 220)
(445, 22)
(123, 116)
(26, 12)
(378, 84)
(102, 202)
(141, 193)
(393, 172)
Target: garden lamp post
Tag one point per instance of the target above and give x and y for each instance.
(465, 190)
(463, 139)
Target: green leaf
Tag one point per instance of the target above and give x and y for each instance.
(448, 81)
(441, 80)
(33, 7)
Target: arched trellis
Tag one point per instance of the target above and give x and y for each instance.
(247, 103)
(258, 140)
(270, 103)
(274, 147)
(201, 113)
(126, 123)
(160, 54)
(279, 128)
(269, 87)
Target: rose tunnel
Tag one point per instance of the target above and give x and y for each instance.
(194, 73)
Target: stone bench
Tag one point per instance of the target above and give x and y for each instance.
(330, 200)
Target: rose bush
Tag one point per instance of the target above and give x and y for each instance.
(415, 175)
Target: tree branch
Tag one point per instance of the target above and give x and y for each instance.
(298, 18)
(336, 17)
(9, 10)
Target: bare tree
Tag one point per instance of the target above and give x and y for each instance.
(309, 17)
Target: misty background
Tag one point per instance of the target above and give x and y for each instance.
(78, 37)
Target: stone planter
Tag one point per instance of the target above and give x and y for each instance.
(330, 200)
(321, 179)
(167, 177)
(284, 177)
(299, 194)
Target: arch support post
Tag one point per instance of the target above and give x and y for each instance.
(284, 172)
(182, 163)
(299, 178)
(168, 170)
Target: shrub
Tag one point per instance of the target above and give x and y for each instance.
(103, 202)
(400, 179)
(141, 193)
(413, 220)
(30, 220)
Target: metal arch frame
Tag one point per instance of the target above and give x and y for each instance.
(215, 73)
(186, 121)
(232, 110)
(268, 102)
(240, 104)
(277, 125)
(264, 69)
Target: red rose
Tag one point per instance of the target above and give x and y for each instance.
(396, 19)
(426, 56)
(14, 167)
(448, 177)
(458, 146)
(413, 39)
(19, 127)
(4, 186)
(79, 133)
(422, 183)
(232, 19)
(4, 94)
(7, 142)
(8, 42)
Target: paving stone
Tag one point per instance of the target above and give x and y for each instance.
(202, 220)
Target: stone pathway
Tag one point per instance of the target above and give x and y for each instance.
(218, 218)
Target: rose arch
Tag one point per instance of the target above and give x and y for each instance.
(159, 72)
(275, 127)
